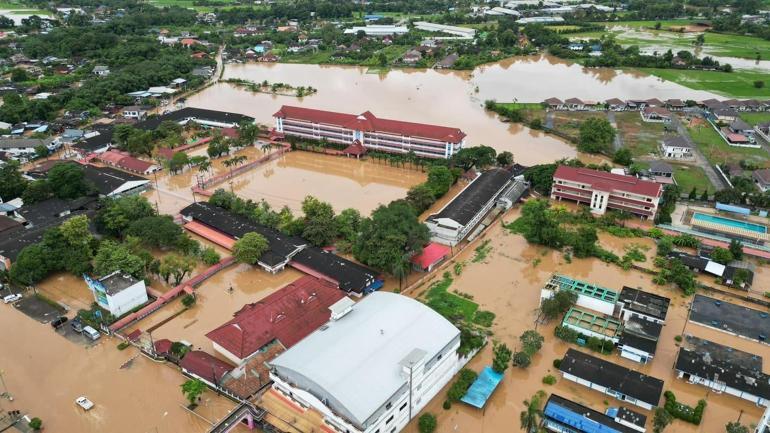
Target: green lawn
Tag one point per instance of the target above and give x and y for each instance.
(308, 57)
(568, 122)
(641, 138)
(736, 84)
(717, 151)
(688, 176)
(648, 24)
(755, 118)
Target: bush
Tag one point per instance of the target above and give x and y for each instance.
(522, 359)
(123, 345)
(460, 387)
(678, 338)
(447, 405)
(427, 423)
(549, 379)
(683, 411)
(209, 256)
(35, 423)
(759, 84)
(557, 363)
(188, 301)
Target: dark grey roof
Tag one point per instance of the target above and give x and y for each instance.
(730, 273)
(642, 327)
(281, 246)
(676, 141)
(96, 142)
(117, 282)
(739, 125)
(8, 225)
(107, 179)
(48, 212)
(30, 143)
(350, 276)
(612, 376)
(591, 417)
(644, 302)
(661, 167)
(706, 366)
(475, 196)
(689, 260)
(734, 356)
(632, 417)
(737, 319)
(629, 339)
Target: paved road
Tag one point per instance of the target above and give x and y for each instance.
(700, 160)
(617, 143)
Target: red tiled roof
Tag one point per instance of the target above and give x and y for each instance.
(355, 148)
(608, 181)
(112, 157)
(167, 153)
(369, 122)
(188, 42)
(206, 366)
(163, 346)
(431, 254)
(229, 132)
(288, 315)
(133, 164)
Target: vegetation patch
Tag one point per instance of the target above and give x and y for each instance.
(683, 411)
(465, 379)
(482, 251)
(596, 344)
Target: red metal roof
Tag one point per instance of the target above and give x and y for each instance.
(167, 153)
(206, 366)
(163, 346)
(133, 164)
(369, 122)
(431, 254)
(112, 157)
(608, 181)
(288, 315)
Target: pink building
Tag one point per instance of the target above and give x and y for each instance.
(601, 191)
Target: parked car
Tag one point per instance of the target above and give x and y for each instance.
(77, 325)
(59, 322)
(84, 403)
(91, 333)
(11, 298)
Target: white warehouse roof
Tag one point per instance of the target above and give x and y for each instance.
(354, 365)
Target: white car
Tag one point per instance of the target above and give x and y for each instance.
(11, 298)
(84, 403)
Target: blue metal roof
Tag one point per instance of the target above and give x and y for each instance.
(734, 209)
(575, 420)
(482, 388)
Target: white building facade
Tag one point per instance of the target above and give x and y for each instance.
(118, 293)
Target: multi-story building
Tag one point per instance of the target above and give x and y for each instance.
(602, 191)
(384, 135)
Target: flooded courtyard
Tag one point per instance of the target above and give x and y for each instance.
(443, 97)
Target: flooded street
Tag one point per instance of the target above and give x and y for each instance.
(508, 283)
(453, 98)
(45, 373)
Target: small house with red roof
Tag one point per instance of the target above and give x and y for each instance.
(374, 133)
(125, 161)
(284, 317)
(432, 255)
(601, 191)
(656, 114)
(188, 42)
(201, 365)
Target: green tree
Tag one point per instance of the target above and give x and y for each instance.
(596, 136)
(12, 183)
(693, 194)
(19, 75)
(476, 156)
(661, 420)
(382, 60)
(427, 423)
(157, 231)
(736, 249)
(175, 266)
(531, 341)
(348, 223)
(440, 179)
(504, 159)
(502, 357)
(37, 191)
(389, 236)
(192, 389)
(250, 248)
(584, 241)
(178, 161)
(736, 427)
(41, 151)
(521, 359)
(623, 156)
(35, 424)
(721, 255)
(539, 226)
(665, 246)
(320, 228)
(531, 415)
(112, 256)
(558, 304)
(117, 214)
(31, 265)
(705, 195)
(420, 197)
(68, 181)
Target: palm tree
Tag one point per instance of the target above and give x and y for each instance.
(266, 146)
(530, 416)
(205, 166)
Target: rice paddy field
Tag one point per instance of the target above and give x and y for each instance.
(736, 84)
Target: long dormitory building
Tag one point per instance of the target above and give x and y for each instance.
(374, 133)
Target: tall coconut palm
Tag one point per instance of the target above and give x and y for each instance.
(531, 415)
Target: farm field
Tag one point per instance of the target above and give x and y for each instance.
(736, 84)
(717, 151)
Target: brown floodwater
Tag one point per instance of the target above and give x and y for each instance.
(443, 97)
(45, 373)
(286, 181)
(508, 283)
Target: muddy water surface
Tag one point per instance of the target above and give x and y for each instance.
(443, 97)
(45, 373)
(508, 283)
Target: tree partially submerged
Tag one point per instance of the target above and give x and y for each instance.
(250, 248)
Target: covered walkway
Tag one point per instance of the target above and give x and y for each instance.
(215, 236)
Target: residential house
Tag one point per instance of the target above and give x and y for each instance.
(761, 179)
(677, 148)
(725, 114)
(763, 129)
(554, 104)
(135, 112)
(118, 293)
(656, 114)
(661, 169)
(412, 57)
(575, 104)
(447, 62)
(739, 126)
(615, 104)
(101, 70)
(675, 104)
(432, 255)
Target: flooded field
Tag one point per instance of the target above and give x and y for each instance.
(508, 283)
(286, 181)
(443, 97)
(45, 373)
